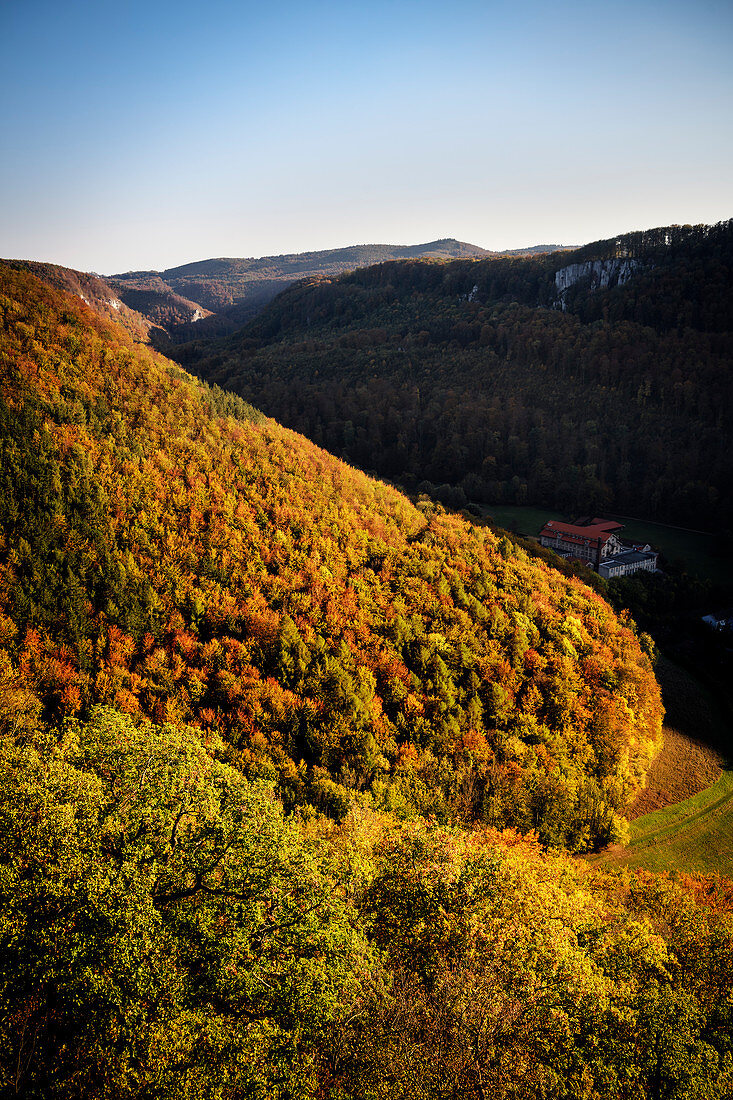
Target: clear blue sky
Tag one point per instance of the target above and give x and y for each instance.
(144, 135)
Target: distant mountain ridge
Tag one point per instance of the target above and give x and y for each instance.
(216, 296)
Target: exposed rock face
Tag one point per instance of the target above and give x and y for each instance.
(602, 273)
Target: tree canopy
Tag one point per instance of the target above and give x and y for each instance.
(169, 552)
(291, 770)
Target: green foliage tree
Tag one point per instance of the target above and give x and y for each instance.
(165, 931)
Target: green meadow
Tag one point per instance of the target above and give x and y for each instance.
(695, 835)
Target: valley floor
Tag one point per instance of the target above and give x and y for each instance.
(696, 739)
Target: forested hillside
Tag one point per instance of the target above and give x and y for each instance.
(172, 560)
(93, 290)
(264, 724)
(217, 296)
(587, 380)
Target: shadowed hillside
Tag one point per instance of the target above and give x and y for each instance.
(591, 380)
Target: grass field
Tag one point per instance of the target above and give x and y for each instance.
(685, 767)
(689, 795)
(525, 521)
(698, 551)
(695, 835)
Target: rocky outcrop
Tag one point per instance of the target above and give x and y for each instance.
(601, 274)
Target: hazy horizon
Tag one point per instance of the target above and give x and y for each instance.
(331, 248)
(144, 138)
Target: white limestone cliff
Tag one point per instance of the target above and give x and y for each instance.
(602, 273)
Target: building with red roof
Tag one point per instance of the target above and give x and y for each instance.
(589, 540)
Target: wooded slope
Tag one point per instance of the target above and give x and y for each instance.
(167, 928)
(168, 932)
(168, 551)
(228, 291)
(515, 380)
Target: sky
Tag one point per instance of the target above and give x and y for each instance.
(142, 135)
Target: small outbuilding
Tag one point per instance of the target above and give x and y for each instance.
(630, 561)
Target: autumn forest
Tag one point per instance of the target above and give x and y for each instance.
(304, 775)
